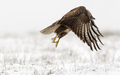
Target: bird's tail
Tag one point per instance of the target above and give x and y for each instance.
(50, 29)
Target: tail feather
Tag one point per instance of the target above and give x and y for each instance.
(50, 29)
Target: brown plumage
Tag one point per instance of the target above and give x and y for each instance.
(80, 21)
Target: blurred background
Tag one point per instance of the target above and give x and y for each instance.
(21, 42)
(21, 16)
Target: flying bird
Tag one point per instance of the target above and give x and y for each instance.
(81, 22)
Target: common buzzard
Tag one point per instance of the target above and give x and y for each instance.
(80, 21)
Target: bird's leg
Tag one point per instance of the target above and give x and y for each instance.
(57, 42)
(54, 38)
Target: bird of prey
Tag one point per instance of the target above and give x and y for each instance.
(81, 22)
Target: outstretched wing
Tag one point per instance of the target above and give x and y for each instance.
(83, 27)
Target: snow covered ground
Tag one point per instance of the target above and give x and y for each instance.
(34, 54)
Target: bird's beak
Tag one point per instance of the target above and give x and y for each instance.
(93, 18)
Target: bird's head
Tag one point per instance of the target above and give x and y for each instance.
(87, 12)
(90, 15)
(82, 9)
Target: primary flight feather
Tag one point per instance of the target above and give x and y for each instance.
(81, 22)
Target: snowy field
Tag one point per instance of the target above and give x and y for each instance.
(23, 52)
(34, 54)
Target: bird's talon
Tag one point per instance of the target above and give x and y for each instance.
(56, 43)
(53, 40)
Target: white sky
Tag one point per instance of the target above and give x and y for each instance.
(34, 15)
